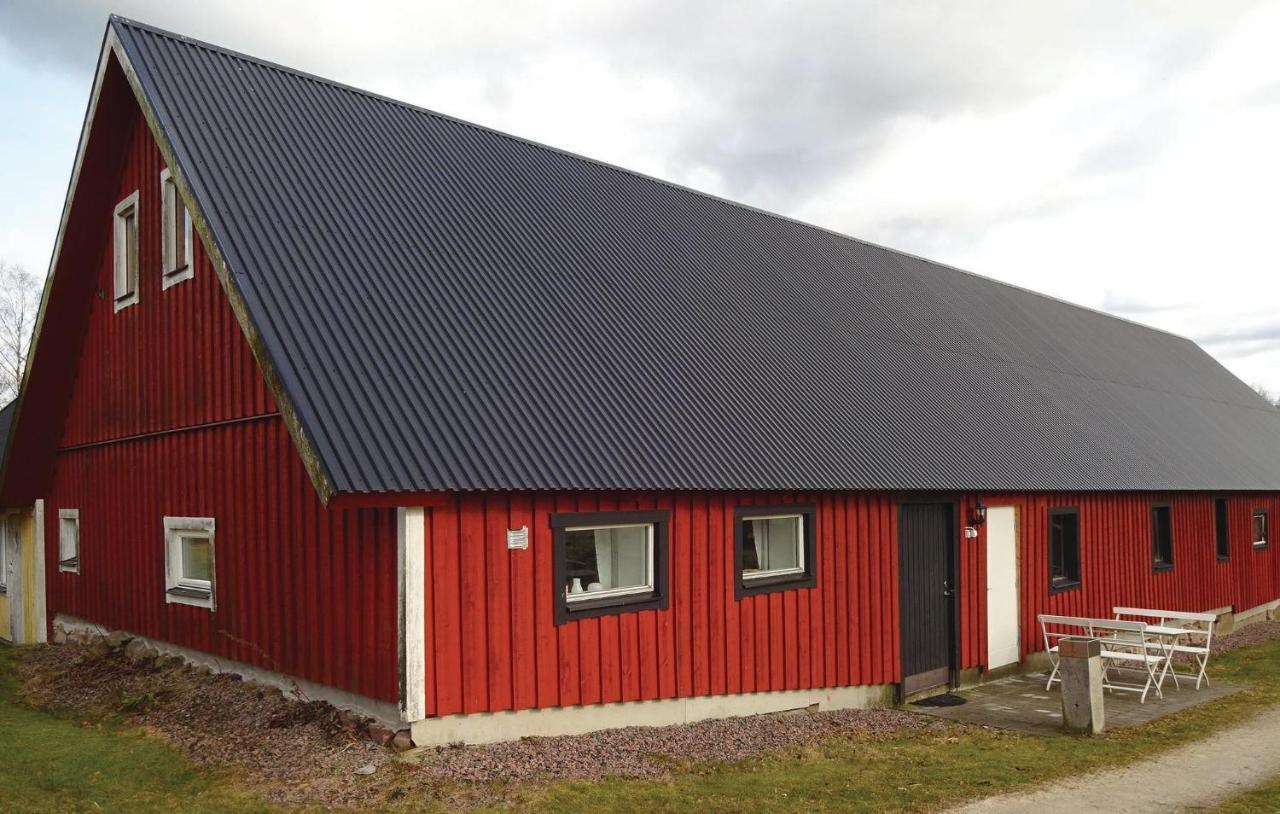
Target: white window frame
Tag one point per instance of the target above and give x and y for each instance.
(174, 269)
(122, 269)
(74, 567)
(650, 585)
(750, 576)
(177, 589)
(6, 523)
(1266, 526)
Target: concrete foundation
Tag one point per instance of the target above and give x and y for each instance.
(505, 726)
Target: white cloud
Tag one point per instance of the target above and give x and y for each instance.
(1117, 154)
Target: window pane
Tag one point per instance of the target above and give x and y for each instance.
(606, 559)
(68, 539)
(771, 544)
(197, 562)
(1259, 529)
(131, 250)
(181, 228)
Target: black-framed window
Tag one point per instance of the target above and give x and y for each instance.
(1161, 537)
(1222, 528)
(609, 562)
(1064, 549)
(773, 548)
(1260, 530)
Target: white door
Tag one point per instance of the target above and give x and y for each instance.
(1002, 586)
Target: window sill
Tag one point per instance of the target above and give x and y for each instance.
(1259, 546)
(1063, 586)
(765, 585)
(1224, 559)
(69, 566)
(175, 276)
(121, 303)
(189, 596)
(1162, 566)
(607, 606)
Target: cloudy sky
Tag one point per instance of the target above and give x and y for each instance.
(1122, 155)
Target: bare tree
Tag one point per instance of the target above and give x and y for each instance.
(19, 302)
(1270, 397)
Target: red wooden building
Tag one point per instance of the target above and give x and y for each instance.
(478, 435)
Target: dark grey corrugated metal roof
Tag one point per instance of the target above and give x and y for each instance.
(450, 307)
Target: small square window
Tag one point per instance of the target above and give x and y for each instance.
(609, 562)
(1064, 549)
(189, 561)
(69, 540)
(1161, 537)
(773, 548)
(176, 233)
(1260, 528)
(126, 252)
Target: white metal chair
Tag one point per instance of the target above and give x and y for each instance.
(1182, 633)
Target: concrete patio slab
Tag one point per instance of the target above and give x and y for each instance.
(1021, 703)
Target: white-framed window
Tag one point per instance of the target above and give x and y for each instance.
(126, 252)
(609, 562)
(1260, 528)
(189, 563)
(774, 548)
(8, 537)
(69, 540)
(175, 229)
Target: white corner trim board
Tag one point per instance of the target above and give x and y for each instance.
(384, 712)
(411, 541)
(492, 727)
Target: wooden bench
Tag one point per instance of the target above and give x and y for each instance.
(1180, 633)
(1126, 646)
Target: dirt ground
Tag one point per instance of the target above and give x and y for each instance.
(307, 752)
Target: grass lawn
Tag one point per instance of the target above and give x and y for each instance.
(53, 763)
(1265, 798)
(930, 770)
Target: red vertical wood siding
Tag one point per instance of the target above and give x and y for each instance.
(1116, 561)
(492, 643)
(169, 415)
(504, 651)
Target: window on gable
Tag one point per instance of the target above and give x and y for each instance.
(175, 226)
(773, 548)
(1259, 528)
(609, 562)
(126, 252)
(189, 563)
(1222, 528)
(1064, 549)
(69, 540)
(1161, 537)
(8, 537)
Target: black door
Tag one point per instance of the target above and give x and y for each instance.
(926, 541)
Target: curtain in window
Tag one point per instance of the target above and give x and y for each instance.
(760, 530)
(622, 557)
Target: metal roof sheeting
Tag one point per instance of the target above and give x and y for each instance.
(453, 308)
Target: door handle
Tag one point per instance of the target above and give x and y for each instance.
(946, 588)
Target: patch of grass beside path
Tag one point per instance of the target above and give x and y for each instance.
(55, 764)
(926, 771)
(1264, 798)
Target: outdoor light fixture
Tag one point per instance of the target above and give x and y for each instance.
(979, 515)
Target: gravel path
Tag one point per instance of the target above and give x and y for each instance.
(1195, 775)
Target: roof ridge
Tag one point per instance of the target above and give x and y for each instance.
(121, 20)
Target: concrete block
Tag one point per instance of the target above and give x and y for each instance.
(1082, 698)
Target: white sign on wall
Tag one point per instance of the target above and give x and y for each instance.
(518, 538)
